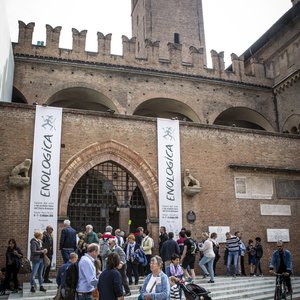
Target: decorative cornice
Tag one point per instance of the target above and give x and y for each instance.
(257, 168)
(287, 82)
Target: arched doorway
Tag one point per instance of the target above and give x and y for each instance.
(129, 160)
(107, 195)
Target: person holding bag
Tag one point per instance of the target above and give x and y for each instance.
(132, 264)
(48, 244)
(156, 285)
(37, 254)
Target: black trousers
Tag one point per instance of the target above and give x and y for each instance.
(215, 262)
(132, 268)
(243, 265)
(147, 268)
(288, 282)
(124, 278)
(11, 273)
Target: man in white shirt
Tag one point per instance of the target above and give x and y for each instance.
(87, 280)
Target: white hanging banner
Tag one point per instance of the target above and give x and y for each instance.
(169, 175)
(45, 173)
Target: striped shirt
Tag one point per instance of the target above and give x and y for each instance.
(233, 244)
(174, 292)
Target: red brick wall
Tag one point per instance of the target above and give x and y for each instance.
(205, 150)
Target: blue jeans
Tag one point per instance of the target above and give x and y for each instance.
(235, 256)
(65, 253)
(37, 267)
(210, 263)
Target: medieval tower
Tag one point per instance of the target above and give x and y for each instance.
(173, 21)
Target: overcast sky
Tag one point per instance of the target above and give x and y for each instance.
(231, 26)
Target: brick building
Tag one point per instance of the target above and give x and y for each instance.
(239, 127)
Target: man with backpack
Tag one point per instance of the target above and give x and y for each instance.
(104, 247)
(87, 280)
(66, 280)
(188, 256)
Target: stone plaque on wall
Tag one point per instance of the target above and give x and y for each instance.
(274, 235)
(275, 210)
(220, 230)
(288, 189)
(253, 187)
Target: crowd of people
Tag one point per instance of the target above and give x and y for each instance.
(104, 266)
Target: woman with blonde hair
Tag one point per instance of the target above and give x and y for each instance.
(37, 258)
(208, 257)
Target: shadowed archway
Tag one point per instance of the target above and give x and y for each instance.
(98, 153)
(243, 117)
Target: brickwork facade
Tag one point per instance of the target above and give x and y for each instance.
(131, 142)
(110, 107)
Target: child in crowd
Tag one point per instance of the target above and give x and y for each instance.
(174, 292)
(97, 264)
(251, 256)
(175, 268)
(176, 272)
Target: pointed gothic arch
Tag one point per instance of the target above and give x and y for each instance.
(121, 154)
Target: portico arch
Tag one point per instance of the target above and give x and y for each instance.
(121, 154)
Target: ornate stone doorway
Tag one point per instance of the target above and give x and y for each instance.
(107, 194)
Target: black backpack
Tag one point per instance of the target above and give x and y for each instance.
(72, 276)
(194, 247)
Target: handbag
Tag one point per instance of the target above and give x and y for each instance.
(46, 261)
(58, 295)
(25, 266)
(140, 257)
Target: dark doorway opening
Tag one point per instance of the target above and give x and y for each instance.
(107, 195)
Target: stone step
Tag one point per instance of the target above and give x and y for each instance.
(263, 294)
(251, 288)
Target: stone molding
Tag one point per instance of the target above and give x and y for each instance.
(98, 153)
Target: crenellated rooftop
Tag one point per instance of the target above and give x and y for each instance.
(194, 66)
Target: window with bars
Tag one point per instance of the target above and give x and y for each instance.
(100, 193)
